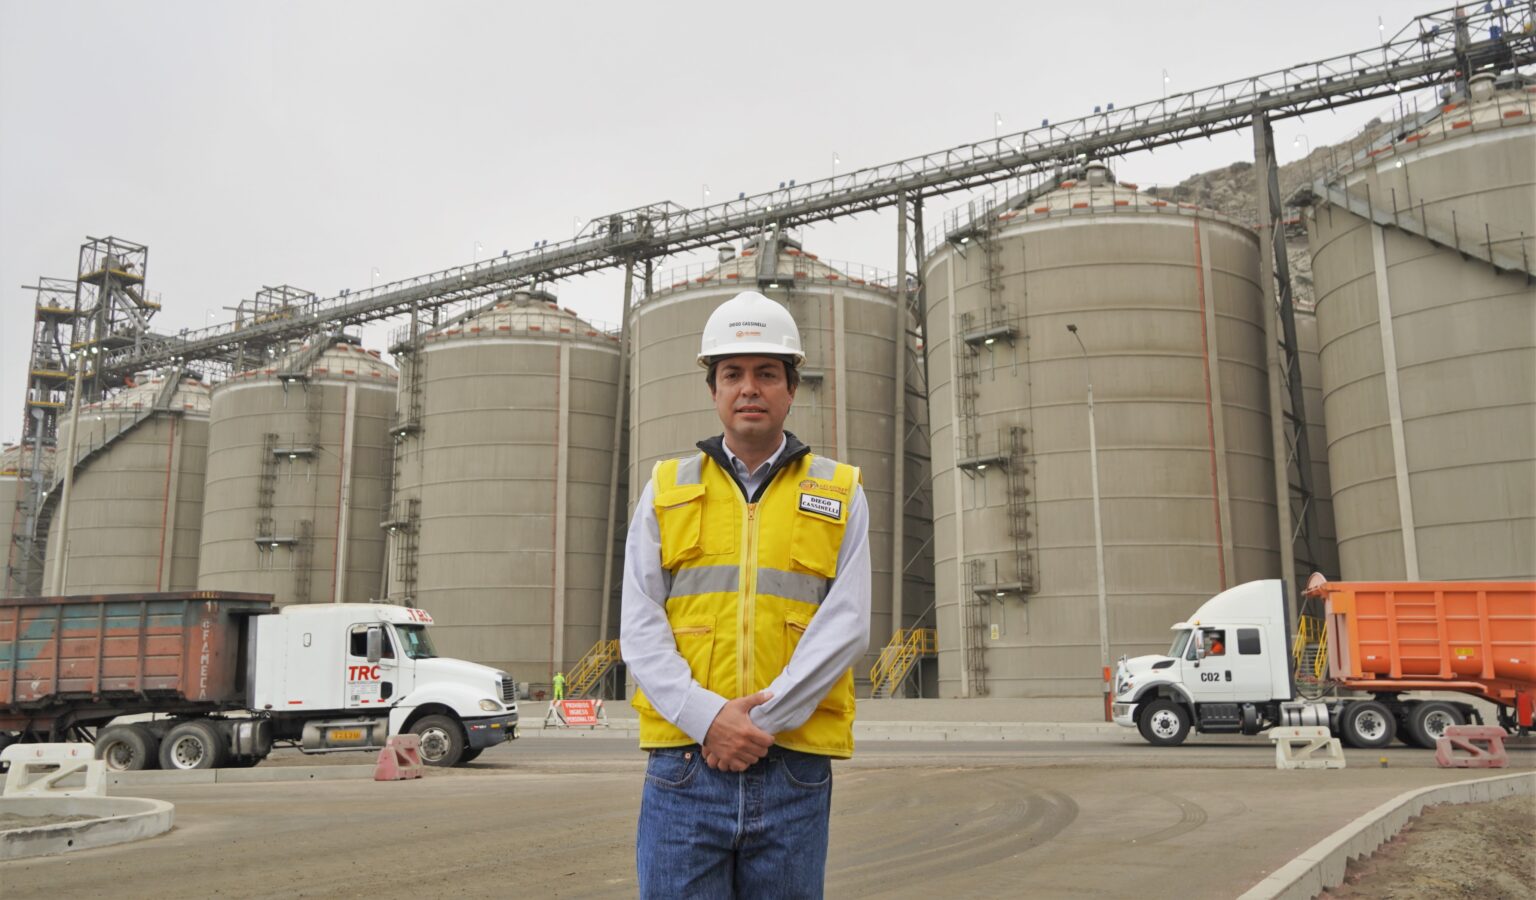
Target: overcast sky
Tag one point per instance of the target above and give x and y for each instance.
(252, 144)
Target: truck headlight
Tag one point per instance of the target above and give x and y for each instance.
(490, 706)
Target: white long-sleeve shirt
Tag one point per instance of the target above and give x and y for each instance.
(836, 637)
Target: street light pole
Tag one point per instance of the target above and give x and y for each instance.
(1098, 528)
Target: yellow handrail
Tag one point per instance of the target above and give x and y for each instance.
(898, 656)
(593, 666)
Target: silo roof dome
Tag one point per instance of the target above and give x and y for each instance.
(189, 395)
(341, 359)
(524, 312)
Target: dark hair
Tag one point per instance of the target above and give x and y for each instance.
(791, 373)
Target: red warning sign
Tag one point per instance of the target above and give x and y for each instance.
(578, 712)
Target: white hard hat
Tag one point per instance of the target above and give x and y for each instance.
(750, 324)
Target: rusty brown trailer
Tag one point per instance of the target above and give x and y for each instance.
(70, 662)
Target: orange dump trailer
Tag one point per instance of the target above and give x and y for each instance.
(1477, 637)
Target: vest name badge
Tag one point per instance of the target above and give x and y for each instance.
(822, 506)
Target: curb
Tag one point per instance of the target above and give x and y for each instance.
(1322, 865)
(119, 819)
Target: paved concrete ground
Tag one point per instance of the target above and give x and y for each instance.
(555, 818)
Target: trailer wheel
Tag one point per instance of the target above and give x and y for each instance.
(1427, 722)
(1164, 723)
(127, 748)
(1367, 724)
(442, 740)
(193, 745)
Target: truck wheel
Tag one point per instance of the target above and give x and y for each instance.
(193, 745)
(1164, 724)
(442, 740)
(127, 748)
(1367, 724)
(1427, 722)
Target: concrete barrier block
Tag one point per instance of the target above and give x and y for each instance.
(1306, 747)
(1481, 746)
(54, 770)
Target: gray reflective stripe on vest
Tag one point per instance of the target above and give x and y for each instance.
(705, 580)
(727, 580)
(792, 585)
(689, 470)
(823, 469)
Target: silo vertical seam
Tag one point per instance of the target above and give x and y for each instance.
(167, 516)
(899, 423)
(1215, 417)
(344, 496)
(1394, 403)
(840, 374)
(562, 477)
(954, 474)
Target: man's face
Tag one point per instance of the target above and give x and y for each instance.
(752, 397)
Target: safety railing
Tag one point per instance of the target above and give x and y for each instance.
(589, 671)
(905, 648)
(1310, 648)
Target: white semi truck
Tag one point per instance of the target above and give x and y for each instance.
(210, 679)
(1229, 669)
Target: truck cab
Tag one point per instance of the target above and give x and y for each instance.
(1227, 666)
(347, 675)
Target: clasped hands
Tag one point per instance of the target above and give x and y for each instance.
(734, 743)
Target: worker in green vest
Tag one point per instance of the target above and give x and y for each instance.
(559, 685)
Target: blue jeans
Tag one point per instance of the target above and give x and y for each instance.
(711, 834)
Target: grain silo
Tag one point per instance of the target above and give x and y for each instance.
(1422, 252)
(136, 504)
(1167, 305)
(19, 465)
(504, 436)
(844, 407)
(299, 457)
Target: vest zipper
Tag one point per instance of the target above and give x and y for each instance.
(748, 606)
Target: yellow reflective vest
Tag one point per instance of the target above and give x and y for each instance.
(747, 578)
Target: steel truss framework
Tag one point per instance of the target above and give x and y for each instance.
(1422, 54)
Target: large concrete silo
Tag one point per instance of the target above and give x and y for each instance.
(504, 436)
(299, 458)
(136, 505)
(1167, 303)
(844, 407)
(1422, 253)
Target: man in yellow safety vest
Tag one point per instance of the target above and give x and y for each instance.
(746, 601)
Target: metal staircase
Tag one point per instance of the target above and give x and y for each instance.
(592, 668)
(897, 660)
(1309, 651)
(1470, 239)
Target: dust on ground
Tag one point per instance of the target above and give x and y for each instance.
(9, 821)
(1472, 851)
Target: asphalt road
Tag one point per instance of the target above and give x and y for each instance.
(556, 818)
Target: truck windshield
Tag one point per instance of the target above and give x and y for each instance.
(1180, 643)
(417, 644)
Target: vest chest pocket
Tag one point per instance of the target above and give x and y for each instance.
(680, 515)
(815, 541)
